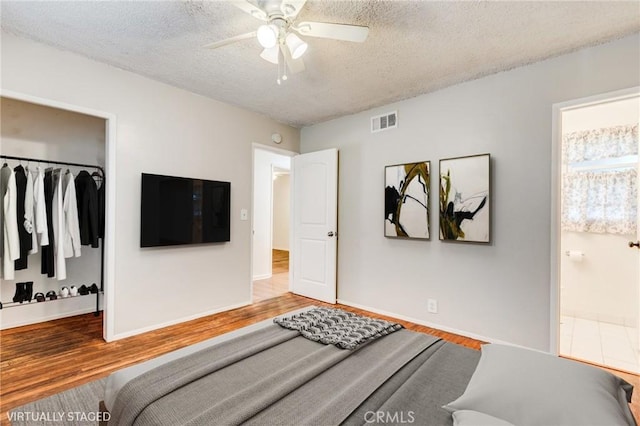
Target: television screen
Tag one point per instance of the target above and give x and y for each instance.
(177, 210)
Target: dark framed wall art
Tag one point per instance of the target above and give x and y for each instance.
(464, 199)
(406, 200)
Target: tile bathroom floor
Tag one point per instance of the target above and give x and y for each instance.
(597, 342)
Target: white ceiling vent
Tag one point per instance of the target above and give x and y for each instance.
(384, 122)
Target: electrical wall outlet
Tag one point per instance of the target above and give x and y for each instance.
(432, 306)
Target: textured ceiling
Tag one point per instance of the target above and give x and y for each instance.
(413, 47)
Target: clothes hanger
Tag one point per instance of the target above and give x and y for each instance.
(98, 178)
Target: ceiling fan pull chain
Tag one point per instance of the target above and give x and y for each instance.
(281, 66)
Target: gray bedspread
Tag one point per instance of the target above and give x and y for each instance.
(276, 377)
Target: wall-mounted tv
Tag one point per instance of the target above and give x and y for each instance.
(177, 210)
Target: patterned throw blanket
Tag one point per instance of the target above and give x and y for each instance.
(343, 329)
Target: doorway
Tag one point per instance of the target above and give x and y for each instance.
(78, 118)
(598, 272)
(271, 223)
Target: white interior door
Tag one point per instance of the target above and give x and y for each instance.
(315, 219)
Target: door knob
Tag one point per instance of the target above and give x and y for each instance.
(636, 244)
(331, 234)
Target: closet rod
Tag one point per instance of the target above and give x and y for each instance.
(12, 157)
(62, 163)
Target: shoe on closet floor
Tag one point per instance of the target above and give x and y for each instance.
(64, 292)
(94, 288)
(20, 292)
(39, 297)
(83, 290)
(51, 295)
(28, 291)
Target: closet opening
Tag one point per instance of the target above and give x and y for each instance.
(64, 143)
(597, 227)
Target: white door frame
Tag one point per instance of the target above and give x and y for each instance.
(108, 320)
(286, 153)
(556, 175)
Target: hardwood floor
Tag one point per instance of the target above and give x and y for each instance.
(280, 261)
(43, 359)
(278, 284)
(275, 286)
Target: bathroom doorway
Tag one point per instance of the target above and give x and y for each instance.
(599, 272)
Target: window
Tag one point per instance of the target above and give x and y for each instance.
(599, 187)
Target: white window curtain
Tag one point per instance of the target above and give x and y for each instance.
(604, 200)
(598, 144)
(600, 201)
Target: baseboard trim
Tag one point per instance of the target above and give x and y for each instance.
(432, 325)
(135, 332)
(48, 318)
(261, 277)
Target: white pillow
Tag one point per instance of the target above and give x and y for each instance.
(474, 418)
(526, 387)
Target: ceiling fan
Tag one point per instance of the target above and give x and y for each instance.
(279, 35)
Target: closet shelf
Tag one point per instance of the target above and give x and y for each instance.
(34, 301)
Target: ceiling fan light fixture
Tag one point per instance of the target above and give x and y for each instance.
(270, 55)
(267, 36)
(296, 46)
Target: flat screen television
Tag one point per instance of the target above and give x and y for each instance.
(176, 210)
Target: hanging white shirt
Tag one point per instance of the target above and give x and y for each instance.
(58, 223)
(29, 226)
(70, 209)
(10, 238)
(40, 210)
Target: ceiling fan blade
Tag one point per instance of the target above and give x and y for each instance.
(294, 65)
(344, 32)
(251, 9)
(229, 40)
(291, 8)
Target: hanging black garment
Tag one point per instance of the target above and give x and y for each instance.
(48, 261)
(88, 209)
(5, 171)
(101, 207)
(23, 235)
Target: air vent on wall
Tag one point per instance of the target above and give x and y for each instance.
(385, 121)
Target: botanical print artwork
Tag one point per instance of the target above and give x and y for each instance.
(406, 200)
(464, 198)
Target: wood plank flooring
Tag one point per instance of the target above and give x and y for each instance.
(43, 359)
(278, 284)
(275, 286)
(280, 261)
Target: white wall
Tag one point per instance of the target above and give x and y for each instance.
(281, 212)
(35, 131)
(604, 285)
(263, 163)
(165, 130)
(500, 291)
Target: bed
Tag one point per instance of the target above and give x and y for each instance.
(297, 372)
